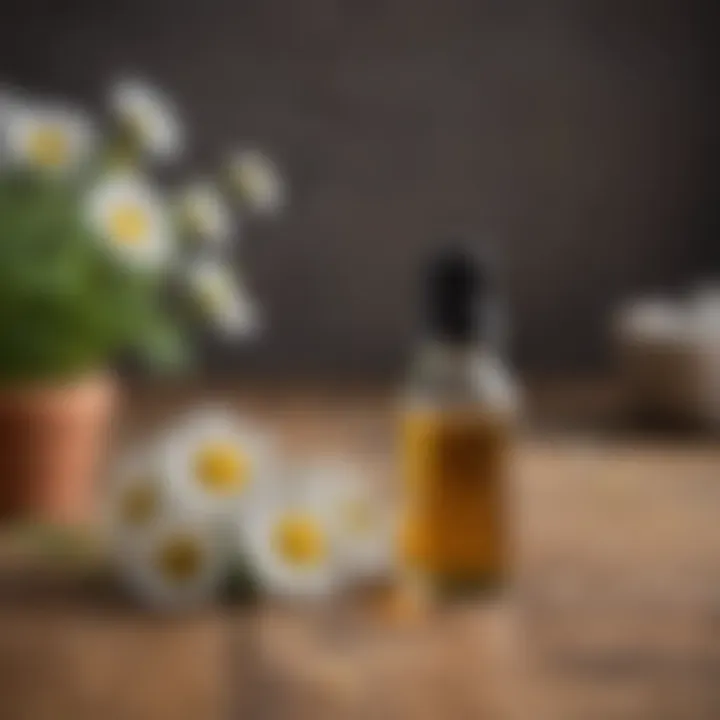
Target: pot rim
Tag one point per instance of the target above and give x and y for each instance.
(49, 391)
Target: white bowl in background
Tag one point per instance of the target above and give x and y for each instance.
(669, 357)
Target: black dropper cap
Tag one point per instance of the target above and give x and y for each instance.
(458, 297)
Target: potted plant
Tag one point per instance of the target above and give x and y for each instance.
(91, 251)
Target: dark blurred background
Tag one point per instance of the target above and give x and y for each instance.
(578, 137)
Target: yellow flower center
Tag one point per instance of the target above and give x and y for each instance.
(139, 504)
(129, 224)
(49, 146)
(180, 558)
(222, 468)
(300, 540)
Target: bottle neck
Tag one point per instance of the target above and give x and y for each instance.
(489, 336)
(453, 355)
(450, 365)
(446, 374)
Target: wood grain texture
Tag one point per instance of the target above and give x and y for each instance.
(614, 613)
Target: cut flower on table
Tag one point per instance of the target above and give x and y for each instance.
(301, 532)
(289, 543)
(216, 462)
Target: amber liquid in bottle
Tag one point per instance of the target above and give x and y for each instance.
(454, 530)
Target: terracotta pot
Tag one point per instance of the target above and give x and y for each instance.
(52, 441)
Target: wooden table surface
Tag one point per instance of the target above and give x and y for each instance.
(614, 612)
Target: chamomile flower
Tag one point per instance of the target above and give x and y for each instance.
(149, 118)
(222, 299)
(177, 565)
(47, 138)
(204, 214)
(289, 545)
(362, 517)
(217, 463)
(129, 216)
(258, 181)
(138, 496)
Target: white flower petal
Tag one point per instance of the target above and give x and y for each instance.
(205, 213)
(364, 519)
(150, 117)
(222, 299)
(259, 181)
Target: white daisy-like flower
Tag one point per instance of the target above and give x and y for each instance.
(205, 214)
(258, 181)
(48, 138)
(177, 565)
(149, 117)
(363, 518)
(130, 217)
(217, 462)
(137, 497)
(223, 299)
(289, 545)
